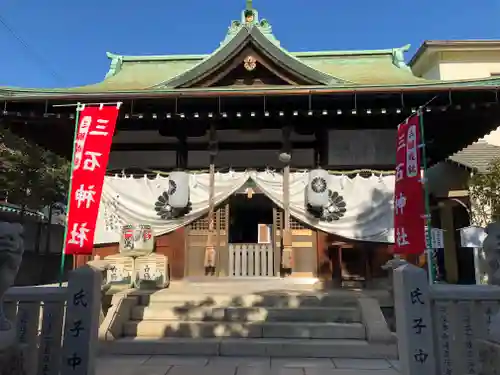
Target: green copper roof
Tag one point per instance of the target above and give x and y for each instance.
(252, 34)
(344, 70)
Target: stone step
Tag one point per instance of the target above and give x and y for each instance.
(274, 299)
(249, 347)
(158, 329)
(246, 314)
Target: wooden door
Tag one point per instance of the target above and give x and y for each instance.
(303, 244)
(304, 249)
(196, 242)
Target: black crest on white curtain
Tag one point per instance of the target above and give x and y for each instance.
(336, 208)
(164, 209)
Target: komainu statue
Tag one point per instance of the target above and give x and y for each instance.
(491, 249)
(11, 254)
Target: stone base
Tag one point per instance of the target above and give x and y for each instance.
(11, 361)
(489, 354)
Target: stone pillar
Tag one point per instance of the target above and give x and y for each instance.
(81, 326)
(12, 361)
(412, 303)
(489, 349)
(450, 253)
(390, 266)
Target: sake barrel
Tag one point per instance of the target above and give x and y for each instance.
(136, 240)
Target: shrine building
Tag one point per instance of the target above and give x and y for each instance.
(253, 138)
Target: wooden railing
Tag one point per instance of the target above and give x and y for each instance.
(440, 328)
(251, 260)
(57, 326)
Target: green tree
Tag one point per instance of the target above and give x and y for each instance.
(484, 190)
(30, 175)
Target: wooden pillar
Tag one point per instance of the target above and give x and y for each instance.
(287, 256)
(324, 261)
(181, 155)
(210, 253)
(321, 147)
(450, 248)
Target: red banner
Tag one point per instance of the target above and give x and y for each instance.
(91, 153)
(409, 208)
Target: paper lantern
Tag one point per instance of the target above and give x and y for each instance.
(317, 189)
(136, 240)
(178, 189)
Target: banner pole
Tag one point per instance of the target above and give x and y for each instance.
(68, 196)
(428, 230)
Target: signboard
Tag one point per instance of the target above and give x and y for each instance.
(409, 209)
(93, 139)
(472, 236)
(361, 147)
(412, 304)
(264, 233)
(437, 240)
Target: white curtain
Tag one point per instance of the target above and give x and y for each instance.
(368, 202)
(127, 200)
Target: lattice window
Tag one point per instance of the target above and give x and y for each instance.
(202, 222)
(199, 224)
(223, 219)
(279, 219)
(294, 224)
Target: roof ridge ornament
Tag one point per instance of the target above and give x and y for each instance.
(115, 66)
(398, 57)
(249, 19)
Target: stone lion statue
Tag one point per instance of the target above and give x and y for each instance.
(11, 254)
(491, 249)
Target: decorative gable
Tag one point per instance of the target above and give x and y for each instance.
(248, 67)
(250, 55)
(250, 42)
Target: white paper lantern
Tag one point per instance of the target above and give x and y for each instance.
(317, 189)
(178, 189)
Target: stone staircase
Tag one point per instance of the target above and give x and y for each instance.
(242, 320)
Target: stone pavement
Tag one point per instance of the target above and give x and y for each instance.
(175, 365)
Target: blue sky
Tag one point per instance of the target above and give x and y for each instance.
(72, 37)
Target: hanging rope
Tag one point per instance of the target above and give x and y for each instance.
(154, 173)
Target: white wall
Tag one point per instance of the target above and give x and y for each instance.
(457, 65)
(433, 72)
